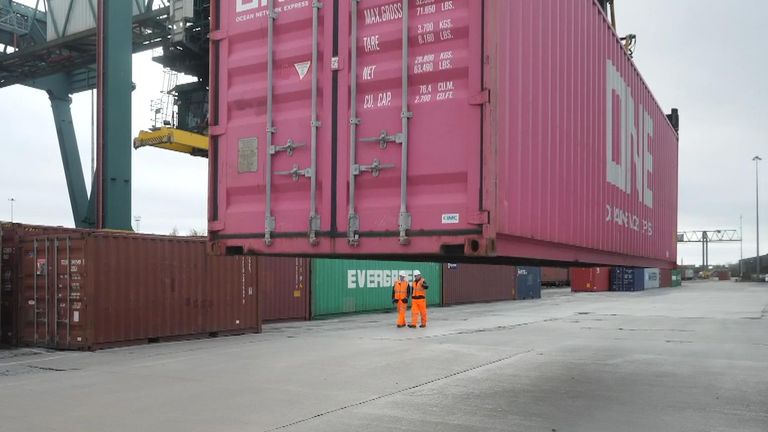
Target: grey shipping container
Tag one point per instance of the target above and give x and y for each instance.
(472, 283)
(652, 278)
(528, 283)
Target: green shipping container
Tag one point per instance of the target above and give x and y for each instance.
(347, 286)
(677, 278)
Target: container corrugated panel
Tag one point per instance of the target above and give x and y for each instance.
(549, 118)
(677, 278)
(554, 276)
(472, 283)
(92, 289)
(66, 18)
(651, 278)
(284, 288)
(595, 279)
(346, 286)
(528, 283)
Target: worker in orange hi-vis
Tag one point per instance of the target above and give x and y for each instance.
(419, 304)
(400, 293)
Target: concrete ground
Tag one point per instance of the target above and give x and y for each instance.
(684, 359)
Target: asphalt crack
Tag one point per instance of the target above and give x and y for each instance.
(384, 396)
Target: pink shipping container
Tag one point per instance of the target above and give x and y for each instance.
(502, 129)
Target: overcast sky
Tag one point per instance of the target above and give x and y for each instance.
(705, 57)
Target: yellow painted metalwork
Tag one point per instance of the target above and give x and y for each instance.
(173, 139)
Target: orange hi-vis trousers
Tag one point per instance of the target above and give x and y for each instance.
(419, 307)
(401, 308)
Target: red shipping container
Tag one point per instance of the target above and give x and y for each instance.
(284, 288)
(474, 283)
(83, 289)
(665, 280)
(554, 276)
(595, 279)
(724, 275)
(456, 128)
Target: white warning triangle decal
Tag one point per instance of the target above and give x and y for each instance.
(302, 68)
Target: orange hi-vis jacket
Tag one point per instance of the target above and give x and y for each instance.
(419, 289)
(401, 291)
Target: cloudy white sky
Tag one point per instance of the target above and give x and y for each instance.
(702, 56)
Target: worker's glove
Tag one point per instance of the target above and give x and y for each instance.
(405, 301)
(394, 301)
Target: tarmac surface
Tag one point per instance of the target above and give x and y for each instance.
(680, 359)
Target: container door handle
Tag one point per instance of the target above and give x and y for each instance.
(353, 225)
(269, 219)
(406, 115)
(314, 218)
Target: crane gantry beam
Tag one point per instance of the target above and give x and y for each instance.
(705, 237)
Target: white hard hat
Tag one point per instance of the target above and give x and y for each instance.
(416, 273)
(402, 274)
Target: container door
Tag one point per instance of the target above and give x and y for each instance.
(35, 323)
(51, 292)
(412, 159)
(68, 299)
(271, 131)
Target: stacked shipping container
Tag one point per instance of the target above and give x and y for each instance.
(471, 283)
(554, 276)
(595, 279)
(284, 288)
(522, 108)
(528, 283)
(90, 289)
(344, 286)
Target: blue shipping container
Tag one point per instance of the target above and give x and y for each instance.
(528, 283)
(627, 279)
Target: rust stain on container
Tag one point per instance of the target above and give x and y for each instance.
(472, 283)
(84, 289)
(284, 288)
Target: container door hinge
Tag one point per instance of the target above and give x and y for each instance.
(269, 228)
(353, 232)
(405, 225)
(481, 98)
(314, 227)
(480, 218)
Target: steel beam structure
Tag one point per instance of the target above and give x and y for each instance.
(706, 237)
(58, 88)
(114, 65)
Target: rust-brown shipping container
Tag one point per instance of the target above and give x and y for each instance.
(665, 278)
(10, 238)
(94, 289)
(724, 275)
(554, 276)
(284, 288)
(474, 283)
(8, 276)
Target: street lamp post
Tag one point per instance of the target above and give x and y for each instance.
(12, 200)
(757, 160)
